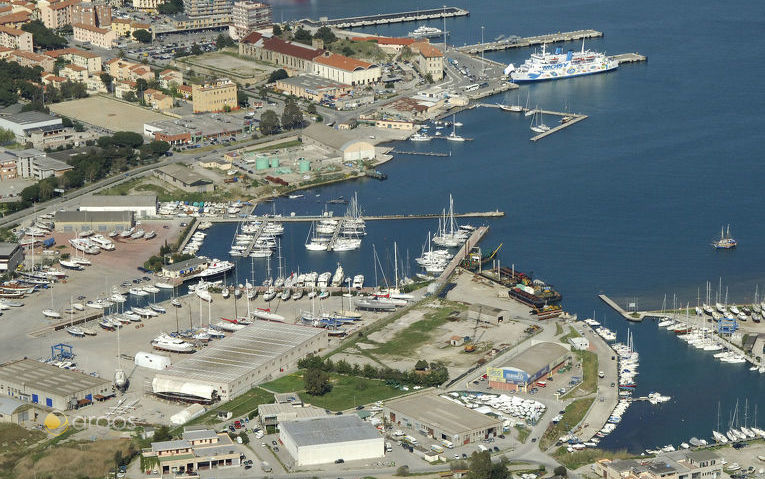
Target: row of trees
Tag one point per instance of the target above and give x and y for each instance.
(435, 375)
(109, 155)
(45, 38)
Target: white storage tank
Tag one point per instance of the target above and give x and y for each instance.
(152, 361)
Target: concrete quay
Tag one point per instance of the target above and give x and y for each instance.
(386, 18)
(529, 41)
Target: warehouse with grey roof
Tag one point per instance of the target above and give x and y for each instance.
(39, 383)
(235, 364)
(535, 362)
(327, 439)
(98, 221)
(441, 418)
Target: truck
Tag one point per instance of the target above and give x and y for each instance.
(411, 440)
(447, 444)
(436, 448)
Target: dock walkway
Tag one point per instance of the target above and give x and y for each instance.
(474, 239)
(387, 18)
(306, 219)
(529, 41)
(625, 314)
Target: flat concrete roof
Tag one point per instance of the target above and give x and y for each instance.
(51, 379)
(433, 410)
(313, 82)
(29, 117)
(93, 216)
(328, 430)
(298, 411)
(184, 174)
(7, 249)
(241, 353)
(119, 200)
(536, 357)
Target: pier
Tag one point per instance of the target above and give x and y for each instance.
(529, 41)
(635, 317)
(573, 119)
(474, 239)
(335, 235)
(255, 239)
(387, 18)
(305, 219)
(422, 153)
(629, 58)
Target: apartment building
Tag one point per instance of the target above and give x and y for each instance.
(214, 96)
(429, 60)
(346, 70)
(76, 56)
(99, 37)
(249, 16)
(59, 14)
(93, 14)
(15, 38)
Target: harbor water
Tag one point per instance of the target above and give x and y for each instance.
(625, 203)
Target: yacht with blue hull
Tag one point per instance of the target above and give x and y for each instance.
(555, 66)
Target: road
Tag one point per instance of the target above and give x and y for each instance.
(70, 199)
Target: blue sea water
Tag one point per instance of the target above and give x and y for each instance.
(624, 203)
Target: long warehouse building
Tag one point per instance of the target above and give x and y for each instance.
(536, 362)
(441, 419)
(238, 362)
(329, 439)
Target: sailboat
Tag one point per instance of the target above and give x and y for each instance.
(725, 241)
(120, 378)
(537, 125)
(516, 108)
(72, 329)
(315, 242)
(453, 136)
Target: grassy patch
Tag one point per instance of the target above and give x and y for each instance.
(415, 335)
(347, 391)
(589, 362)
(558, 329)
(571, 417)
(523, 432)
(368, 50)
(575, 460)
(571, 334)
(123, 188)
(286, 144)
(240, 406)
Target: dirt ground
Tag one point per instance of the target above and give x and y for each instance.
(217, 62)
(108, 113)
(91, 459)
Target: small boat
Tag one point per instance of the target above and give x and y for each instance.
(204, 295)
(76, 306)
(225, 293)
(725, 241)
(157, 308)
(75, 331)
(49, 313)
(137, 234)
(298, 294)
(175, 302)
(149, 235)
(267, 315)
(137, 292)
(324, 294)
(420, 137)
(150, 289)
(70, 265)
(162, 285)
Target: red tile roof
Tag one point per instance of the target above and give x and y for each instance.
(83, 26)
(73, 51)
(427, 50)
(18, 17)
(297, 50)
(342, 62)
(11, 31)
(252, 38)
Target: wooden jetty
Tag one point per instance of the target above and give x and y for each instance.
(386, 18)
(529, 41)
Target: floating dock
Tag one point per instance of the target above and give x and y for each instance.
(629, 58)
(572, 120)
(529, 41)
(625, 314)
(386, 18)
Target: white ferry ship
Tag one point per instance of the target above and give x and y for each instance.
(554, 66)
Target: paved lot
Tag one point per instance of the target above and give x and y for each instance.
(108, 113)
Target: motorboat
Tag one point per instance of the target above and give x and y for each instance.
(163, 285)
(358, 281)
(176, 302)
(70, 265)
(203, 294)
(137, 292)
(165, 342)
(157, 308)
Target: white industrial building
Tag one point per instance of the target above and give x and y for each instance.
(142, 206)
(327, 439)
(235, 364)
(346, 144)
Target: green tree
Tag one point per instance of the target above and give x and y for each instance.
(326, 35)
(269, 122)
(141, 85)
(224, 41)
(127, 138)
(107, 80)
(44, 37)
(292, 117)
(402, 470)
(159, 147)
(242, 99)
(279, 74)
(162, 433)
(302, 36)
(481, 467)
(245, 437)
(6, 136)
(142, 36)
(560, 471)
(421, 365)
(130, 96)
(196, 49)
(171, 7)
(277, 29)
(316, 382)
